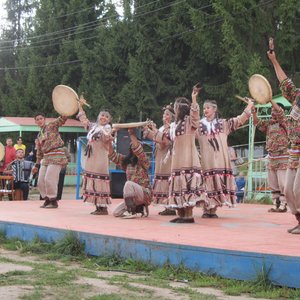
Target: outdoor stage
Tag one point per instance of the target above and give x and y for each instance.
(240, 244)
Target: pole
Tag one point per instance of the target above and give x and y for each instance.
(78, 173)
(250, 158)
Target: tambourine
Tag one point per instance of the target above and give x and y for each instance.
(65, 100)
(260, 89)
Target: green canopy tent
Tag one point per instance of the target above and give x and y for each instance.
(25, 124)
(71, 130)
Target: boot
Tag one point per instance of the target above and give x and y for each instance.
(130, 205)
(96, 212)
(277, 205)
(188, 215)
(168, 212)
(210, 214)
(296, 229)
(47, 202)
(213, 214)
(180, 213)
(284, 209)
(53, 203)
(100, 211)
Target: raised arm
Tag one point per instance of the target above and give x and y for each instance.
(278, 70)
(236, 122)
(82, 115)
(138, 150)
(195, 110)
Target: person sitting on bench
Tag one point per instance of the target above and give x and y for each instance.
(20, 169)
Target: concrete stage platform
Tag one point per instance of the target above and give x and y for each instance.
(240, 244)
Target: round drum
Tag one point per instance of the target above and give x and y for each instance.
(65, 100)
(2, 151)
(260, 89)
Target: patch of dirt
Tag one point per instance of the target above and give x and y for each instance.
(9, 267)
(14, 292)
(110, 274)
(99, 286)
(214, 292)
(160, 293)
(18, 257)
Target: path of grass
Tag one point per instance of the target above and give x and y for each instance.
(39, 270)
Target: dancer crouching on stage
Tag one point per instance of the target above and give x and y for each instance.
(137, 191)
(212, 137)
(292, 123)
(96, 184)
(163, 160)
(50, 158)
(186, 182)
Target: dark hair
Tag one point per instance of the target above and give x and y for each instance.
(130, 159)
(184, 108)
(39, 114)
(19, 138)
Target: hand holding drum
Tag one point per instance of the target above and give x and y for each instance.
(65, 100)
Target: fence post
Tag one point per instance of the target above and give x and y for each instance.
(250, 158)
(78, 175)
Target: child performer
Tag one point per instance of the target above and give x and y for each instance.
(292, 179)
(277, 146)
(96, 184)
(162, 160)
(212, 137)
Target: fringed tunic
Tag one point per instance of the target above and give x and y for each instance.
(212, 137)
(162, 165)
(96, 184)
(186, 182)
(292, 94)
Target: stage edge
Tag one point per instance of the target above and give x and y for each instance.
(283, 270)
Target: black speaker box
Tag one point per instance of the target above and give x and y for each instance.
(123, 140)
(117, 182)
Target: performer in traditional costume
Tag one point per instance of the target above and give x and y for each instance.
(277, 146)
(186, 182)
(137, 191)
(212, 137)
(96, 184)
(292, 123)
(50, 158)
(162, 160)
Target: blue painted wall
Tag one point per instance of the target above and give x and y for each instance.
(284, 270)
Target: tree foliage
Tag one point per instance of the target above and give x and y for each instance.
(135, 62)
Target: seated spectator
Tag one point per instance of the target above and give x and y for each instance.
(21, 170)
(10, 155)
(20, 145)
(240, 183)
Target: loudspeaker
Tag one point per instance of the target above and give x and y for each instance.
(117, 182)
(123, 140)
